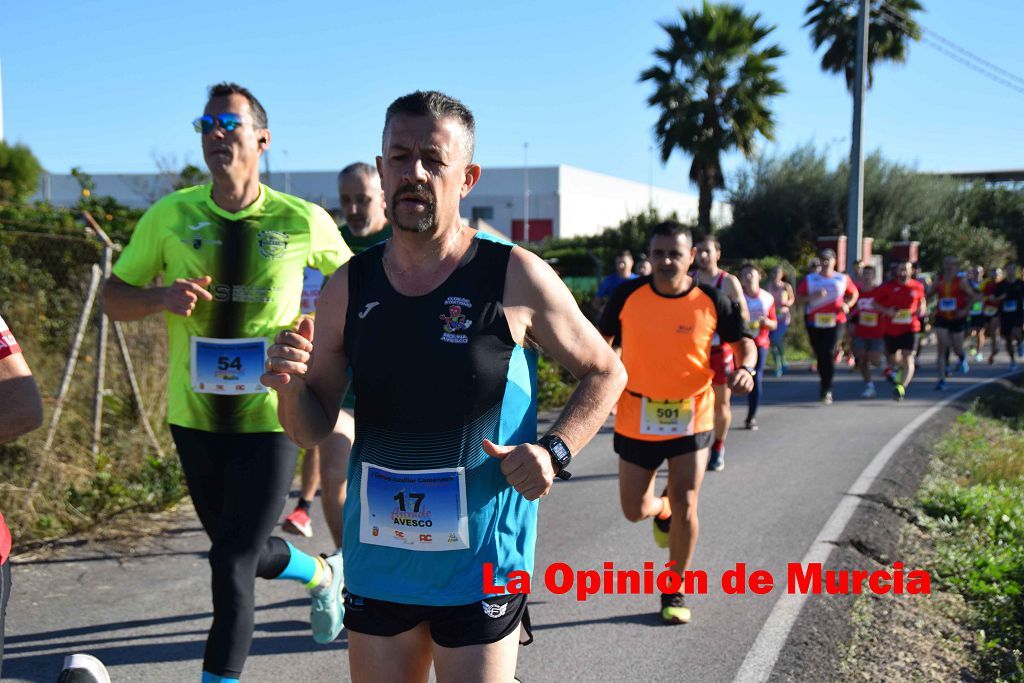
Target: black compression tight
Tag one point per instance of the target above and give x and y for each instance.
(239, 484)
(823, 341)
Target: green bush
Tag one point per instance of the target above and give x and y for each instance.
(554, 384)
(781, 205)
(973, 502)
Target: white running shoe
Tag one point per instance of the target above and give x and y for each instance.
(869, 391)
(83, 669)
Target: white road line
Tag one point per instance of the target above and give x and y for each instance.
(757, 666)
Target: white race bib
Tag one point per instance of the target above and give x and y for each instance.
(991, 310)
(824, 319)
(228, 366)
(312, 282)
(869, 318)
(666, 418)
(414, 509)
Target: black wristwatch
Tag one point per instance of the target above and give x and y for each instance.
(561, 456)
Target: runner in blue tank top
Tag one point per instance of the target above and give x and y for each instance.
(439, 327)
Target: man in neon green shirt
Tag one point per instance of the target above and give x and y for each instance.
(232, 254)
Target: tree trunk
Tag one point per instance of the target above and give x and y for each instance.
(704, 205)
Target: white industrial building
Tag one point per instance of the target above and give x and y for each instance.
(563, 201)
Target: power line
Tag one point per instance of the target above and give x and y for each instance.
(906, 19)
(980, 65)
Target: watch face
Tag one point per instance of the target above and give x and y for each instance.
(558, 450)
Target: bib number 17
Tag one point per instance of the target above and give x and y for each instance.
(416, 498)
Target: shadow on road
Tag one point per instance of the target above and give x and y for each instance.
(30, 657)
(645, 619)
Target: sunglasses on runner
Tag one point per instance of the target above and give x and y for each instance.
(206, 123)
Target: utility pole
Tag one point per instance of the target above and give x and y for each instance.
(526, 193)
(855, 214)
(650, 178)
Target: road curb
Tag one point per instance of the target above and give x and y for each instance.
(762, 657)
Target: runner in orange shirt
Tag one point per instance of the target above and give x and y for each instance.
(667, 323)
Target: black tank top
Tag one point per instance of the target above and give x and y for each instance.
(430, 363)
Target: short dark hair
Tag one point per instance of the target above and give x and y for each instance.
(749, 264)
(435, 105)
(624, 252)
(359, 167)
(710, 238)
(225, 88)
(671, 229)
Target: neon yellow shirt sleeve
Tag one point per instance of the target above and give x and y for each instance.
(328, 250)
(142, 259)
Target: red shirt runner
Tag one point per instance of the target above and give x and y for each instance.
(8, 347)
(870, 323)
(825, 306)
(906, 299)
(952, 298)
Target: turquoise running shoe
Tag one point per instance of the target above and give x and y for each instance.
(328, 610)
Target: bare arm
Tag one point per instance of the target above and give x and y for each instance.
(733, 290)
(19, 394)
(540, 308)
(788, 297)
(122, 301)
(310, 385)
(543, 310)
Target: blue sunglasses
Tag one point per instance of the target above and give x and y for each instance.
(206, 123)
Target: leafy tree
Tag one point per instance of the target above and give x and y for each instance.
(190, 176)
(712, 84)
(19, 172)
(999, 208)
(890, 27)
(782, 204)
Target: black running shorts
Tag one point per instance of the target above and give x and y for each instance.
(650, 454)
(955, 325)
(1009, 325)
(905, 342)
(478, 623)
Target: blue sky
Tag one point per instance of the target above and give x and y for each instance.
(110, 86)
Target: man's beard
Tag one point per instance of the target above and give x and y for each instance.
(427, 220)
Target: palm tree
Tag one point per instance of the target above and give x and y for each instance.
(712, 84)
(835, 22)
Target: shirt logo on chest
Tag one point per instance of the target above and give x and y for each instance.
(455, 322)
(369, 307)
(272, 243)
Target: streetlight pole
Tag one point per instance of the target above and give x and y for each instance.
(526, 192)
(855, 212)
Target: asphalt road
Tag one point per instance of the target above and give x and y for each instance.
(142, 605)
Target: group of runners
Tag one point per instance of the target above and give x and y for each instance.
(423, 481)
(892, 318)
(412, 385)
